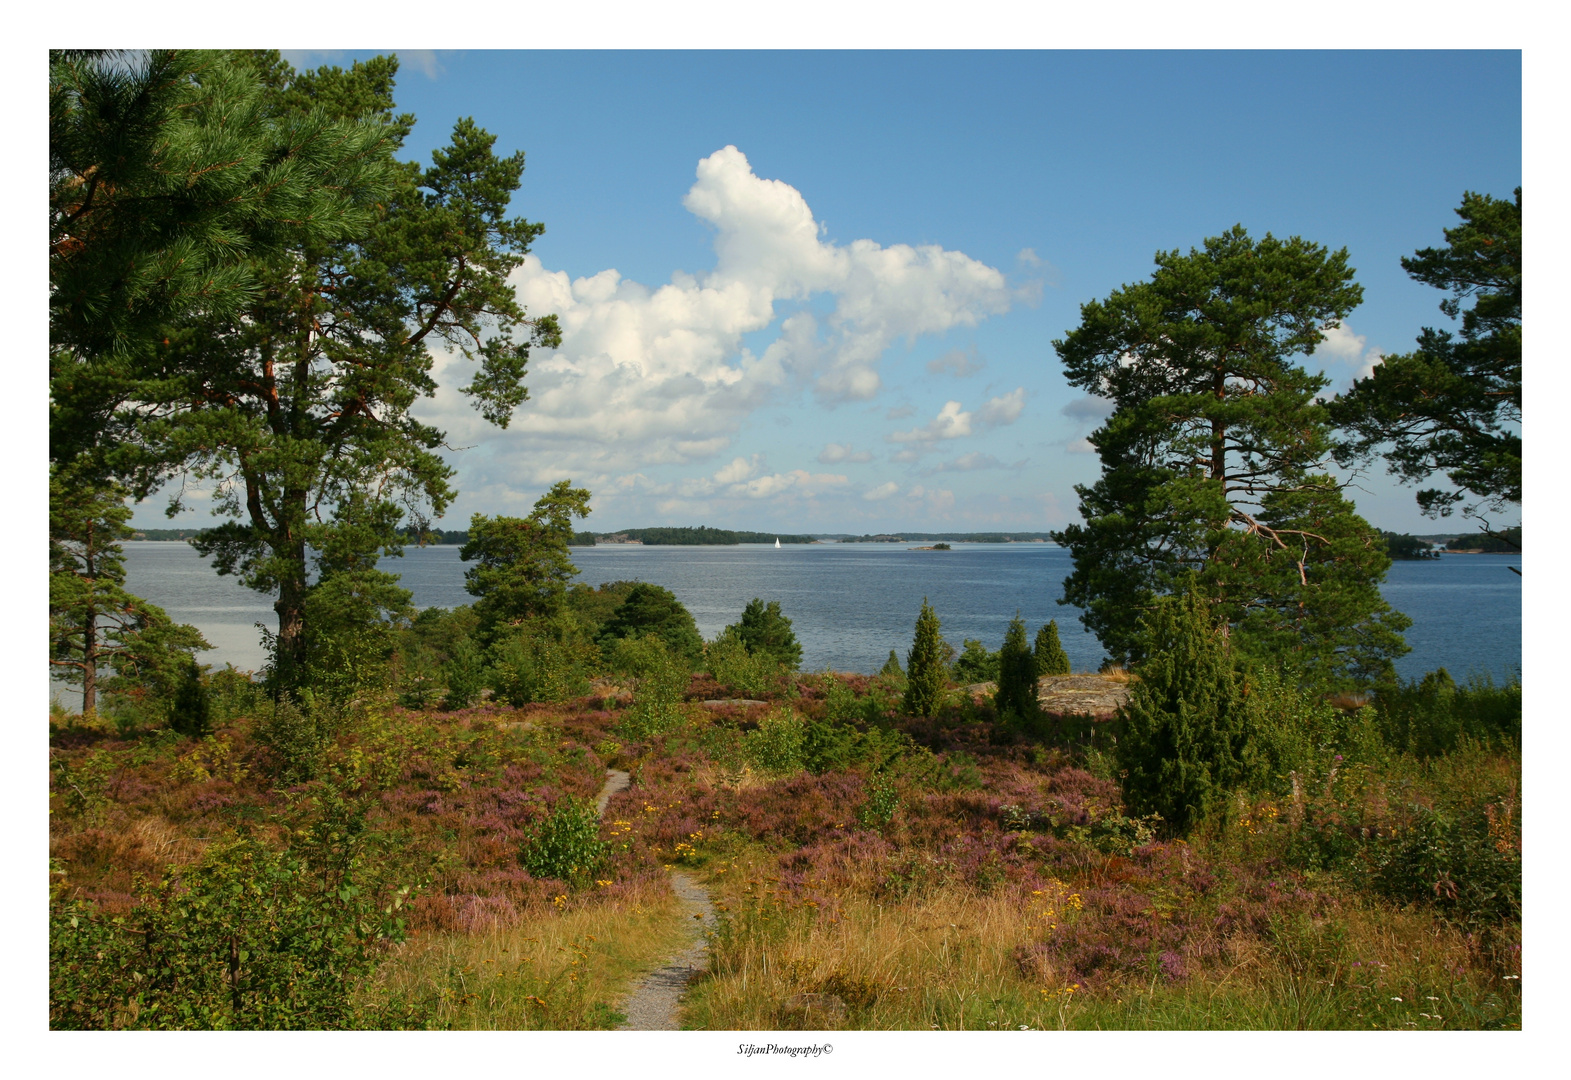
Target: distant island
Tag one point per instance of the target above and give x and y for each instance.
(964, 538)
(689, 535)
(700, 535)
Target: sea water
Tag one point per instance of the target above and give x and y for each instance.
(851, 603)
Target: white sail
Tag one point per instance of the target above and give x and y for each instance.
(777, 541)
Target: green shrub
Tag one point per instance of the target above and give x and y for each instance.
(1464, 859)
(567, 846)
(542, 660)
(1188, 733)
(766, 632)
(1016, 696)
(465, 675)
(776, 746)
(661, 680)
(880, 802)
(649, 609)
(295, 736)
(926, 674)
(80, 787)
(748, 673)
(892, 666)
(975, 664)
(1430, 716)
(191, 711)
(233, 694)
(248, 939)
(1051, 659)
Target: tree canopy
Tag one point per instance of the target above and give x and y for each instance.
(293, 406)
(1454, 404)
(650, 609)
(93, 621)
(1213, 459)
(522, 568)
(766, 632)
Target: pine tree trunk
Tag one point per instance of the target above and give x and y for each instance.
(89, 662)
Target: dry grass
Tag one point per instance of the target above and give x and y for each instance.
(566, 968)
(951, 958)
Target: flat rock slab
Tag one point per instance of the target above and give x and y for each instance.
(1097, 695)
(656, 1004)
(731, 702)
(1069, 695)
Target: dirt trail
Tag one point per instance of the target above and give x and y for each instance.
(615, 780)
(653, 1005)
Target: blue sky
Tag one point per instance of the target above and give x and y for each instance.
(817, 291)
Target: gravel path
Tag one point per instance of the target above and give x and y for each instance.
(653, 1006)
(615, 780)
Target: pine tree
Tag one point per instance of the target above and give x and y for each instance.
(892, 665)
(93, 622)
(925, 675)
(1216, 459)
(1188, 733)
(768, 633)
(298, 402)
(1016, 696)
(1049, 654)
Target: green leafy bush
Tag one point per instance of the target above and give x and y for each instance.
(233, 694)
(248, 938)
(649, 609)
(661, 680)
(880, 802)
(542, 660)
(1464, 859)
(776, 746)
(464, 674)
(748, 673)
(1430, 716)
(567, 846)
(295, 736)
(766, 632)
(975, 664)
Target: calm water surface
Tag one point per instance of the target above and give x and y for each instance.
(851, 603)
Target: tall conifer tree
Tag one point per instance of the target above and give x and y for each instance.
(1049, 654)
(1188, 736)
(1016, 696)
(926, 678)
(1214, 460)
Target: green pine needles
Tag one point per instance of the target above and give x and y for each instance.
(1189, 735)
(925, 675)
(1051, 659)
(1016, 696)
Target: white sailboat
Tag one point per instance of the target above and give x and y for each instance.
(777, 543)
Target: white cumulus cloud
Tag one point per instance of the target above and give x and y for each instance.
(953, 422)
(1352, 349)
(649, 376)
